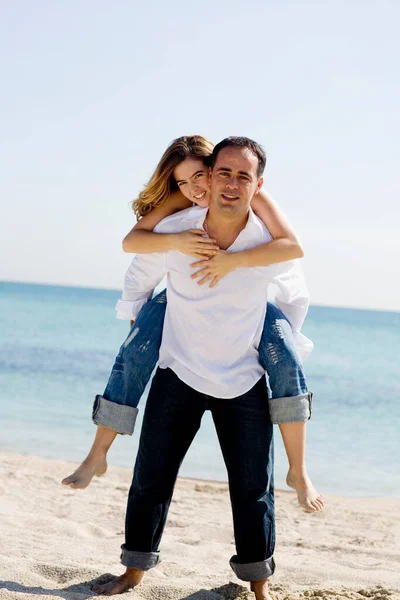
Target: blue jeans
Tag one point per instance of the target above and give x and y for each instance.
(289, 398)
(171, 420)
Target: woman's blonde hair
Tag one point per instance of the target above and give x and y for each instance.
(162, 182)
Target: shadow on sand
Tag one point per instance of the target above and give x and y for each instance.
(79, 591)
(83, 591)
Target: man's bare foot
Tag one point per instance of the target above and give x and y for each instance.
(307, 495)
(260, 589)
(119, 585)
(95, 465)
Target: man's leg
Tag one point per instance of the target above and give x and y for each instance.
(244, 431)
(171, 419)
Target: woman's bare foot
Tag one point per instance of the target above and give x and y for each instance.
(307, 495)
(93, 465)
(260, 589)
(119, 585)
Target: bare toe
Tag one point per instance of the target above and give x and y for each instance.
(308, 497)
(71, 482)
(79, 479)
(91, 467)
(102, 582)
(76, 486)
(118, 585)
(320, 501)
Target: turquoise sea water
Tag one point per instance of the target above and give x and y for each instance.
(57, 345)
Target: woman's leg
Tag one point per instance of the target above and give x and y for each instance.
(96, 461)
(116, 411)
(290, 402)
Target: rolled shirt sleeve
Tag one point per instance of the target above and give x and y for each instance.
(143, 275)
(293, 298)
(128, 310)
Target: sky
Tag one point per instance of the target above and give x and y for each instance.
(93, 91)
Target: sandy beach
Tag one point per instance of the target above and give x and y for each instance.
(55, 542)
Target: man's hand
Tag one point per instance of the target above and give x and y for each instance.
(194, 243)
(214, 268)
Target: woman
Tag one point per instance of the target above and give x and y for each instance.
(180, 179)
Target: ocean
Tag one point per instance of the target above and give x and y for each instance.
(58, 345)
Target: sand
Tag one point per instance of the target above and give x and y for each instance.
(55, 542)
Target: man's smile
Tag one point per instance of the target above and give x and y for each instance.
(229, 197)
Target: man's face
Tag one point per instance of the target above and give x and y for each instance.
(234, 180)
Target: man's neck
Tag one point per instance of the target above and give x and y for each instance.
(225, 228)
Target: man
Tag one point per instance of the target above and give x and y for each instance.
(208, 361)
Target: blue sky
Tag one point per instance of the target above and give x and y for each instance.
(92, 92)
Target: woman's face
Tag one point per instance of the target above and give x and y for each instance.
(191, 177)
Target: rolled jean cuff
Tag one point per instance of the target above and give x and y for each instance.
(119, 417)
(139, 560)
(256, 571)
(292, 409)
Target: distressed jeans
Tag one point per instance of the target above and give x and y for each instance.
(171, 420)
(289, 399)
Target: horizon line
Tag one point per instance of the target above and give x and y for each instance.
(112, 289)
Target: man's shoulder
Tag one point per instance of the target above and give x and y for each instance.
(181, 220)
(258, 228)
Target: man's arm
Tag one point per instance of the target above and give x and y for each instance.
(143, 275)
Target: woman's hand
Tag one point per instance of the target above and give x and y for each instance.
(193, 242)
(214, 268)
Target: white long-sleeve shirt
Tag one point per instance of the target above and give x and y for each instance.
(211, 335)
